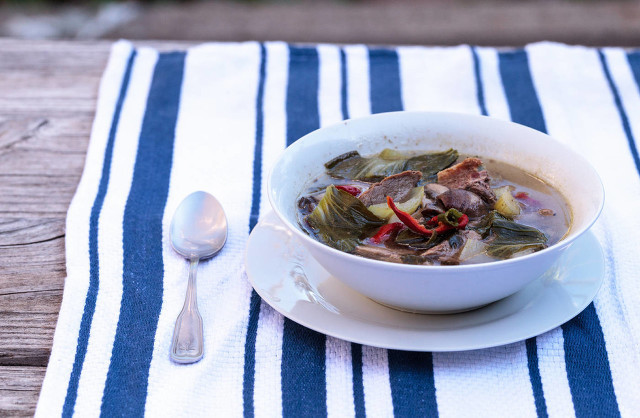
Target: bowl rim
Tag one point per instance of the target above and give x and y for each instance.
(562, 243)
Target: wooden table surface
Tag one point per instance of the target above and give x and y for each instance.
(48, 93)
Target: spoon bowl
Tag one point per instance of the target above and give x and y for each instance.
(198, 231)
(199, 226)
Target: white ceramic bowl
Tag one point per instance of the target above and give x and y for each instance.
(437, 289)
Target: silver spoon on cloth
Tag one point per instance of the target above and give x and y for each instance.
(198, 231)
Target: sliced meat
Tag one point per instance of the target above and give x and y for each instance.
(448, 251)
(307, 204)
(483, 190)
(398, 186)
(442, 252)
(465, 201)
(378, 253)
(467, 175)
(433, 190)
(416, 259)
(430, 208)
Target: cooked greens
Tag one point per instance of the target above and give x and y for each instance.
(391, 207)
(341, 220)
(353, 166)
(414, 240)
(507, 238)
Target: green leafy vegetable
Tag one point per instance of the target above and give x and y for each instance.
(340, 158)
(451, 218)
(508, 238)
(353, 166)
(412, 239)
(430, 164)
(341, 220)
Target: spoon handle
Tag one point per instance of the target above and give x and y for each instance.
(187, 343)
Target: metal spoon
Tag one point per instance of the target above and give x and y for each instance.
(198, 231)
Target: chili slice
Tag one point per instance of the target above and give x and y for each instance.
(527, 199)
(407, 219)
(463, 220)
(352, 190)
(385, 231)
(415, 226)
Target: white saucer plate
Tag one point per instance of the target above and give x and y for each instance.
(287, 277)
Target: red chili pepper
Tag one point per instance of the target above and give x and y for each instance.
(407, 219)
(352, 190)
(433, 221)
(442, 227)
(385, 231)
(528, 199)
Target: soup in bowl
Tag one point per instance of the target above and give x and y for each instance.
(434, 212)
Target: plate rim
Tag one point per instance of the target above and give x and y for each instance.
(271, 219)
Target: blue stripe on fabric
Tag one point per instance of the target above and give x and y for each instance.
(479, 84)
(254, 304)
(343, 86)
(518, 87)
(257, 151)
(588, 366)
(412, 384)
(536, 379)
(304, 390)
(125, 389)
(384, 77)
(303, 115)
(586, 358)
(411, 378)
(525, 109)
(249, 376)
(94, 262)
(358, 380)
(634, 63)
(303, 372)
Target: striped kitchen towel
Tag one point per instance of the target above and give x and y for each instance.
(214, 118)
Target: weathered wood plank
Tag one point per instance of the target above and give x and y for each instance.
(41, 160)
(27, 324)
(48, 94)
(59, 135)
(19, 390)
(18, 403)
(21, 232)
(47, 102)
(46, 84)
(31, 268)
(27, 339)
(55, 106)
(21, 378)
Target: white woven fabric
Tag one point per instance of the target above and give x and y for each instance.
(215, 118)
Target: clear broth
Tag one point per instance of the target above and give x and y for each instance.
(540, 196)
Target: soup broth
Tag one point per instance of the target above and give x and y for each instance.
(431, 209)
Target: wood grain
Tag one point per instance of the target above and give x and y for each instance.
(48, 93)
